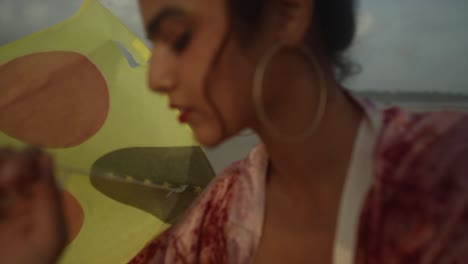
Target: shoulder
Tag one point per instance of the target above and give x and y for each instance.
(218, 195)
(421, 146)
(402, 124)
(421, 149)
(206, 217)
(396, 118)
(408, 135)
(417, 210)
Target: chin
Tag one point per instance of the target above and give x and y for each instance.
(208, 136)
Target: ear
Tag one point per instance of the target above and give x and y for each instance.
(293, 20)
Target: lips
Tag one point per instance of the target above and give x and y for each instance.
(184, 115)
(184, 112)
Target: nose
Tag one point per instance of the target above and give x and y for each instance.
(161, 76)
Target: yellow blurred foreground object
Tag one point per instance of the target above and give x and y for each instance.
(71, 90)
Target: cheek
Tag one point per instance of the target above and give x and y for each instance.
(195, 66)
(232, 88)
(219, 90)
(195, 74)
(228, 87)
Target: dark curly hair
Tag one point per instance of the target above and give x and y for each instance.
(337, 24)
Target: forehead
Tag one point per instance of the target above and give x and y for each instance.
(202, 9)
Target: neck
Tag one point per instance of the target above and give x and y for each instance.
(322, 160)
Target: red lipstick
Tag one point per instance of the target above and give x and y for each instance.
(183, 117)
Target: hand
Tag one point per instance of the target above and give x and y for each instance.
(32, 227)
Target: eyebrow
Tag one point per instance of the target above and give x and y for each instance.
(152, 29)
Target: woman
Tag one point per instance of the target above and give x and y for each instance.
(334, 181)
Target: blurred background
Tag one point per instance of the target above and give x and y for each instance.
(412, 53)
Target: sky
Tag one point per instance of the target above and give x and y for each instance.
(401, 45)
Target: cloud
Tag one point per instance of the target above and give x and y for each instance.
(127, 11)
(417, 46)
(19, 18)
(365, 23)
(119, 5)
(36, 12)
(7, 11)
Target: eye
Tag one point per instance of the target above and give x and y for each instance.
(176, 32)
(181, 43)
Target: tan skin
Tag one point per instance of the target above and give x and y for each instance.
(306, 178)
(32, 227)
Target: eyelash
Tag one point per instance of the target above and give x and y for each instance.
(182, 42)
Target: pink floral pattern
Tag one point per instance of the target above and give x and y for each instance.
(213, 230)
(417, 209)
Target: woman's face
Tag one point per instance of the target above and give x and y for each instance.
(200, 65)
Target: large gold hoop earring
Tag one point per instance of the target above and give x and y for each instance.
(258, 90)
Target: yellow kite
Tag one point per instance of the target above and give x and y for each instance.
(70, 89)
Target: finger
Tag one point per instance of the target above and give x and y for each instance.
(12, 203)
(14, 170)
(28, 164)
(8, 171)
(21, 169)
(31, 157)
(48, 211)
(5, 153)
(5, 204)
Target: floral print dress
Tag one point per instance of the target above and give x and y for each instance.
(414, 211)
